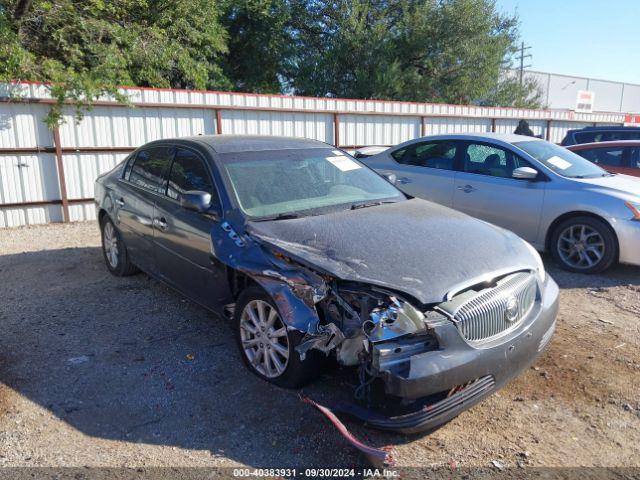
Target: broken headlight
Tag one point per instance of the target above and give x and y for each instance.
(542, 274)
(393, 320)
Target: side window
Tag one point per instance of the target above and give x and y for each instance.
(635, 157)
(149, 167)
(128, 166)
(489, 160)
(398, 154)
(439, 155)
(604, 156)
(188, 172)
(588, 137)
(625, 135)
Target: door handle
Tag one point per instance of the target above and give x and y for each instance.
(162, 224)
(403, 180)
(467, 189)
(120, 202)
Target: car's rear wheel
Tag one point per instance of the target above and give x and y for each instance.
(584, 244)
(266, 344)
(114, 250)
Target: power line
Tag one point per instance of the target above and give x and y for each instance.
(523, 48)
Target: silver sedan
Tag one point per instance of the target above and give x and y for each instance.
(587, 218)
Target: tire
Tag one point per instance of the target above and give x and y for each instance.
(584, 245)
(292, 372)
(114, 250)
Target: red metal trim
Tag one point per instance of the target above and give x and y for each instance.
(336, 129)
(39, 203)
(65, 151)
(275, 95)
(69, 150)
(218, 121)
(47, 101)
(61, 177)
(26, 150)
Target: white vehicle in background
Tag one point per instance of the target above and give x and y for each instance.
(365, 152)
(587, 218)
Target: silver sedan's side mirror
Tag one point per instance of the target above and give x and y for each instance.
(195, 200)
(525, 173)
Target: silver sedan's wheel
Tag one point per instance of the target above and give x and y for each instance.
(581, 246)
(110, 242)
(264, 338)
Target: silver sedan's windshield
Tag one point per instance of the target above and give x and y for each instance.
(281, 182)
(561, 160)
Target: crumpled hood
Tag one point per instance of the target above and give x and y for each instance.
(415, 246)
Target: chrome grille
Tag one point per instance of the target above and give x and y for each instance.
(494, 311)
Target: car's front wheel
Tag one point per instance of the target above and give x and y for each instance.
(114, 250)
(266, 344)
(584, 244)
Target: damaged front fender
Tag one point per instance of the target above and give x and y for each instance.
(294, 288)
(347, 320)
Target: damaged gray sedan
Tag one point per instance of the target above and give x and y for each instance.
(315, 257)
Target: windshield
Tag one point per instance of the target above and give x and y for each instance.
(561, 160)
(280, 182)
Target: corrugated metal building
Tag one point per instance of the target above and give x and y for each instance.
(560, 91)
(47, 176)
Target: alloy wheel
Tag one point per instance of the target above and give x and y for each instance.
(581, 246)
(264, 338)
(110, 242)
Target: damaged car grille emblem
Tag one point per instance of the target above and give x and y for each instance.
(512, 309)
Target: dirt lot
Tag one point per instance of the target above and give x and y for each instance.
(104, 371)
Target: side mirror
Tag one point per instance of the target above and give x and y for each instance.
(391, 177)
(525, 173)
(195, 200)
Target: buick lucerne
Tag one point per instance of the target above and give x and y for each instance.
(315, 256)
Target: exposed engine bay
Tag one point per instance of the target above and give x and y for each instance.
(362, 326)
(422, 353)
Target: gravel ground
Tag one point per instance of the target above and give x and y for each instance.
(104, 371)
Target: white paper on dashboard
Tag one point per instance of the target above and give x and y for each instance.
(561, 163)
(343, 163)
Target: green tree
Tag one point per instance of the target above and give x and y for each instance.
(449, 51)
(86, 48)
(259, 43)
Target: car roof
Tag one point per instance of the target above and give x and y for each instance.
(253, 143)
(604, 127)
(612, 143)
(486, 136)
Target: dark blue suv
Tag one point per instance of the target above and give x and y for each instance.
(600, 134)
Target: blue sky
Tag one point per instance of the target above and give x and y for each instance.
(591, 38)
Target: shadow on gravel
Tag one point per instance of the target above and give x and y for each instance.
(617, 276)
(129, 359)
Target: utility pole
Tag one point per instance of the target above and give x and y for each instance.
(521, 57)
